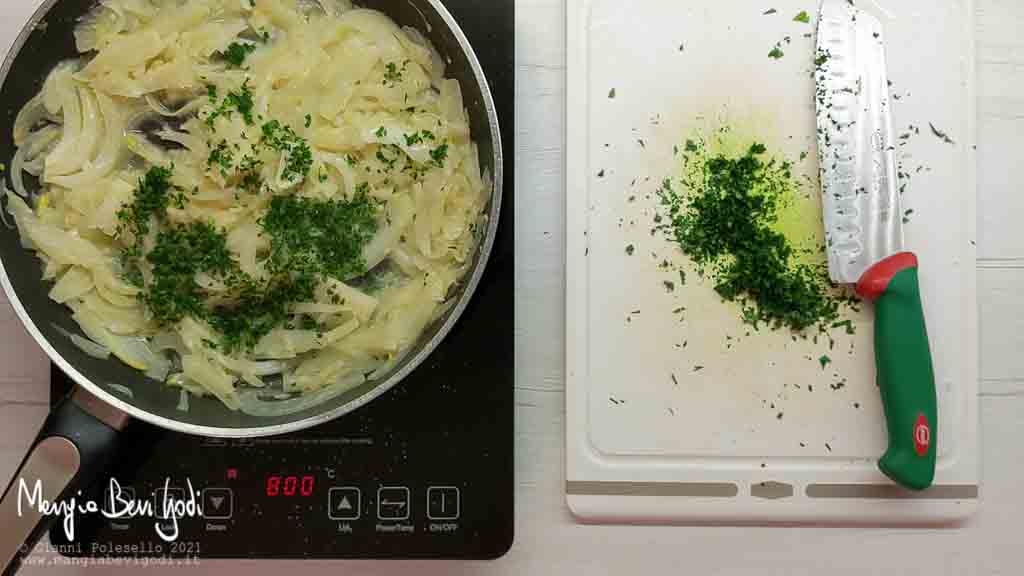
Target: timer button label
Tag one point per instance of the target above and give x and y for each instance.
(113, 501)
(218, 503)
(344, 503)
(393, 503)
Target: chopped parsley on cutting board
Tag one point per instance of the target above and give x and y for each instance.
(724, 213)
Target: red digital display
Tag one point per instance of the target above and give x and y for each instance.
(281, 485)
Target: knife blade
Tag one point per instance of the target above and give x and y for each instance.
(863, 219)
(862, 208)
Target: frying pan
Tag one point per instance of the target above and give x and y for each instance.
(80, 436)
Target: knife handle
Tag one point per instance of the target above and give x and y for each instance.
(905, 375)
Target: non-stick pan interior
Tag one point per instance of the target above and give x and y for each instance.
(51, 41)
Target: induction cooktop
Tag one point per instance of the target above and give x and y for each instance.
(425, 471)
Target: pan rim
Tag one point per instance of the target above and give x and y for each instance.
(471, 283)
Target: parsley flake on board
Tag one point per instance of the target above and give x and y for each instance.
(940, 134)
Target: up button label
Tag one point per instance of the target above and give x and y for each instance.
(344, 503)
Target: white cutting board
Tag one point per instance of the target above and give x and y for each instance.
(693, 420)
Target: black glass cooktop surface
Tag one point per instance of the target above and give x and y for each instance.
(425, 471)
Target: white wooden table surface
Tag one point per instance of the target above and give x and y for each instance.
(548, 541)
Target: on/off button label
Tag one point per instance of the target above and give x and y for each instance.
(443, 503)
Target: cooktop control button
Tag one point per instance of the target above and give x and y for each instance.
(393, 503)
(170, 495)
(115, 502)
(344, 503)
(218, 503)
(443, 503)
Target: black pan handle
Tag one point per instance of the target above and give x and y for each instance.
(77, 441)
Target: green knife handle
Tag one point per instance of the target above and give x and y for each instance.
(905, 373)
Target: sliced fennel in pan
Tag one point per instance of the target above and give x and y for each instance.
(266, 201)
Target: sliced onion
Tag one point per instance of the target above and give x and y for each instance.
(390, 364)
(266, 367)
(359, 303)
(192, 143)
(22, 215)
(85, 37)
(27, 118)
(133, 351)
(39, 145)
(104, 21)
(149, 152)
(183, 401)
(53, 87)
(158, 107)
(75, 283)
(318, 308)
(178, 380)
(65, 247)
(51, 268)
(109, 151)
(65, 157)
(333, 7)
(393, 221)
(341, 331)
(167, 340)
(259, 403)
(283, 344)
(122, 390)
(85, 345)
(115, 290)
(159, 369)
(212, 378)
(443, 309)
(3, 208)
(120, 321)
(30, 157)
(17, 168)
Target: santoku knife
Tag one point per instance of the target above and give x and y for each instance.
(864, 230)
